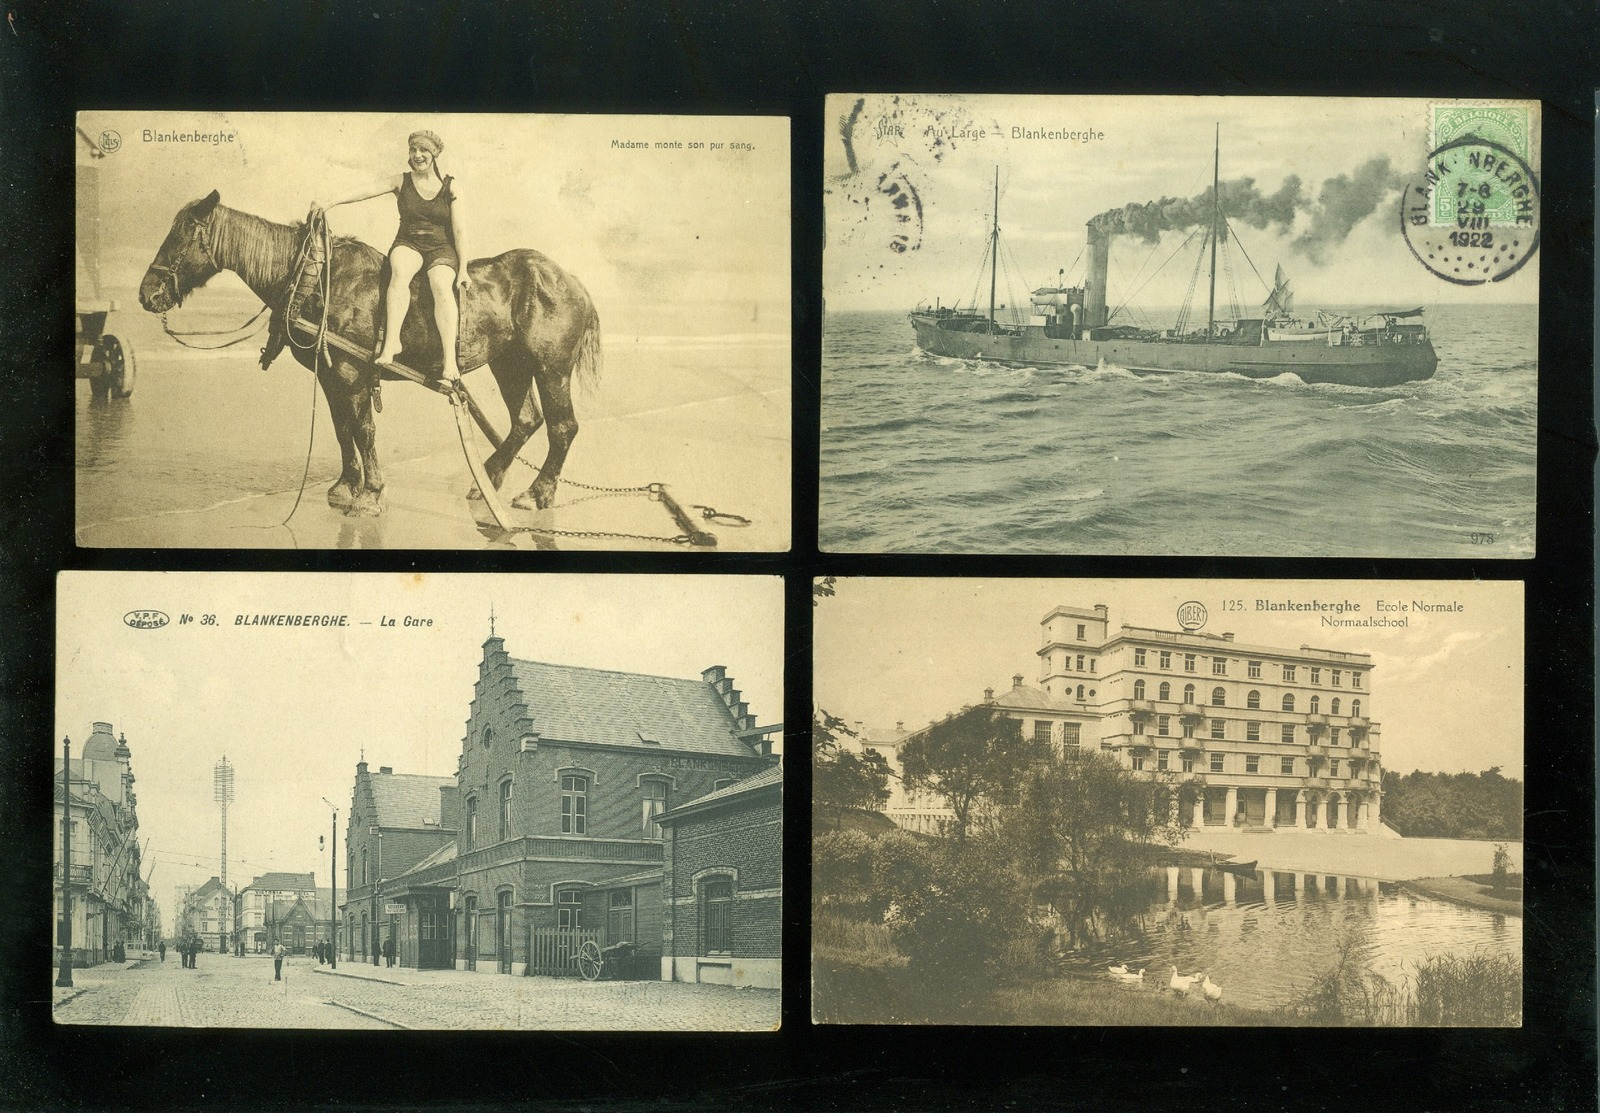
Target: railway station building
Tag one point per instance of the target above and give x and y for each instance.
(555, 828)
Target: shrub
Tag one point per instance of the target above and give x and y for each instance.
(1481, 990)
(841, 862)
(1502, 870)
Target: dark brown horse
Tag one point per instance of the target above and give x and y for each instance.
(527, 319)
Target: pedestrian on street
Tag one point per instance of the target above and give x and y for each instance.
(163, 949)
(388, 952)
(277, 962)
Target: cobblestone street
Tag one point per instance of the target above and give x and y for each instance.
(228, 992)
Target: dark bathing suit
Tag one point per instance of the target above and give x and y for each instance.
(425, 225)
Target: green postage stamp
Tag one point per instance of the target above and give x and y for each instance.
(1510, 127)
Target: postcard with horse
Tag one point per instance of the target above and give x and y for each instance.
(433, 331)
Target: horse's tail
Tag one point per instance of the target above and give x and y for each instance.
(587, 360)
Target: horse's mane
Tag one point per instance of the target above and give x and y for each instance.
(262, 252)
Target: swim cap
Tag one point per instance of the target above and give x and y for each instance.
(429, 140)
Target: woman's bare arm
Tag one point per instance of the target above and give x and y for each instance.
(387, 186)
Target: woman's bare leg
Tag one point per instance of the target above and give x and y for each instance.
(404, 263)
(442, 279)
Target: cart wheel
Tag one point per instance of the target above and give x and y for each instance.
(119, 365)
(590, 961)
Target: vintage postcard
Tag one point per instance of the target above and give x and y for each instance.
(1168, 802)
(547, 332)
(1180, 325)
(419, 801)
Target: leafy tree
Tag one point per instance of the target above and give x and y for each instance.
(975, 756)
(844, 780)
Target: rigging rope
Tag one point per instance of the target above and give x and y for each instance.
(1157, 272)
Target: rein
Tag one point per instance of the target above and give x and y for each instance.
(170, 275)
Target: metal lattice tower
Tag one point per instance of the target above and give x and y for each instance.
(223, 785)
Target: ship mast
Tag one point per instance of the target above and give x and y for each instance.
(994, 246)
(1216, 205)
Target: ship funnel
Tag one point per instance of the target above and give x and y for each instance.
(1094, 289)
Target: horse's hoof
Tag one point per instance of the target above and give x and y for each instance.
(367, 504)
(532, 501)
(342, 495)
(474, 493)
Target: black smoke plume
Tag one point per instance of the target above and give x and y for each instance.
(1339, 205)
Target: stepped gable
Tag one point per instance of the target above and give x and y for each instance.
(620, 709)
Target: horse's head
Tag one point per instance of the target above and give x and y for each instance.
(185, 260)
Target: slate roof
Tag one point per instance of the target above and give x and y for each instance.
(405, 801)
(283, 882)
(767, 777)
(1029, 697)
(441, 856)
(590, 706)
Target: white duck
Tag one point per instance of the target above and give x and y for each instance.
(1126, 975)
(1211, 989)
(1118, 970)
(1180, 984)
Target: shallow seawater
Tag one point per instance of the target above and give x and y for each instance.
(931, 454)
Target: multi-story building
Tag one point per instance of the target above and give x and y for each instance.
(110, 901)
(265, 908)
(208, 911)
(549, 831)
(1263, 737)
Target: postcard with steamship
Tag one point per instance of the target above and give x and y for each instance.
(433, 331)
(1219, 326)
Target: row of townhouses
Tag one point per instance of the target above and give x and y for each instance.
(97, 813)
(586, 806)
(1274, 738)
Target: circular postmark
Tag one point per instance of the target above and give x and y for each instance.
(1474, 215)
(1192, 616)
(110, 141)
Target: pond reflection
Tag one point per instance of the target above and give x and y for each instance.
(1262, 936)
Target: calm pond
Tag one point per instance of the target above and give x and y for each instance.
(1262, 937)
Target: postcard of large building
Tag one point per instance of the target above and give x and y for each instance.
(1264, 803)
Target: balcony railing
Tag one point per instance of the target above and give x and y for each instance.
(1190, 710)
(1315, 783)
(1319, 721)
(1141, 707)
(1191, 744)
(1140, 741)
(1359, 724)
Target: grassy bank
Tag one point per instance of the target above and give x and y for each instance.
(1467, 891)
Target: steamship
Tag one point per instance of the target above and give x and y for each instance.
(1070, 326)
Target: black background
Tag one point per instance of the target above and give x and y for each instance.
(770, 58)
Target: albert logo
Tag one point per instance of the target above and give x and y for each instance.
(1192, 616)
(146, 618)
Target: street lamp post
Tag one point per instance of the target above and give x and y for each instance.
(64, 977)
(333, 885)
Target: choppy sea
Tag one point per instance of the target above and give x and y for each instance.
(936, 455)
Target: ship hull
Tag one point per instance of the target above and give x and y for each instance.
(1362, 366)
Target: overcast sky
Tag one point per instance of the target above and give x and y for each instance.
(666, 241)
(293, 707)
(1447, 690)
(1151, 148)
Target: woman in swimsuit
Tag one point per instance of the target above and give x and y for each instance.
(429, 237)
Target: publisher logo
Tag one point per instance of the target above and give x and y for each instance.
(1192, 616)
(110, 141)
(146, 618)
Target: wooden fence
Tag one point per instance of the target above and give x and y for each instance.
(553, 953)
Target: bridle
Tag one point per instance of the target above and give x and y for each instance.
(169, 274)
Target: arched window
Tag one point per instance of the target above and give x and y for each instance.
(472, 822)
(1188, 694)
(1138, 688)
(1219, 697)
(1316, 701)
(1252, 701)
(505, 810)
(488, 737)
(363, 866)
(1288, 703)
(654, 795)
(1355, 707)
(1080, 692)
(716, 915)
(1335, 705)
(1165, 693)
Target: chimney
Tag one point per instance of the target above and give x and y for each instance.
(1094, 287)
(899, 727)
(1228, 636)
(1101, 612)
(386, 771)
(361, 768)
(1016, 680)
(988, 694)
(714, 674)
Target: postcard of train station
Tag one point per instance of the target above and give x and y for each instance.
(1180, 325)
(477, 801)
(1168, 802)
(373, 330)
